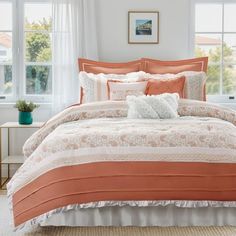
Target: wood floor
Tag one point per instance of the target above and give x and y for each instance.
(3, 192)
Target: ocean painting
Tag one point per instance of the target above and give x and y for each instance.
(143, 27)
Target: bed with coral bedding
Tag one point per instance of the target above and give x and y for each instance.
(91, 158)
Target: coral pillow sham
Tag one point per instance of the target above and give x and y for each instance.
(153, 66)
(120, 90)
(160, 86)
(97, 67)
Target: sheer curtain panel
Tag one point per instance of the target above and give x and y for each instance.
(74, 35)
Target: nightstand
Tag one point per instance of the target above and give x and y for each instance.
(8, 160)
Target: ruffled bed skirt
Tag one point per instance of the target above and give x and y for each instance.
(169, 215)
(140, 213)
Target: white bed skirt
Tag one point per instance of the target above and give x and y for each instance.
(144, 216)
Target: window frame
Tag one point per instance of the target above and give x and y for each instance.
(220, 98)
(11, 97)
(18, 56)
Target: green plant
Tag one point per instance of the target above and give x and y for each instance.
(23, 106)
(214, 69)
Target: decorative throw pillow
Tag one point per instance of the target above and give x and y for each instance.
(162, 106)
(195, 84)
(119, 90)
(194, 87)
(156, 87)
(95, 87)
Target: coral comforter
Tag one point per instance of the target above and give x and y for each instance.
(92, 153)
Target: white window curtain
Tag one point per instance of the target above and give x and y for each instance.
(74, 36)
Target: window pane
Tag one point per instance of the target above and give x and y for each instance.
(230, 48)
(230, 17)
(208, 18)
(213, 80)
(5, 47)
(38, 16)
(208, 45)
(38, 47)
(229, 79)
(38, 80)
(6, 16)
(5, 79)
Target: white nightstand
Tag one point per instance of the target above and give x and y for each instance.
(12, 159)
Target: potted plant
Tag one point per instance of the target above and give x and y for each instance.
(25, 109)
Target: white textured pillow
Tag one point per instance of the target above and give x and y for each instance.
(162, 106)
(194, 83)
(95, 87)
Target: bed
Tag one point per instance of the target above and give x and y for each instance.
(90, 165)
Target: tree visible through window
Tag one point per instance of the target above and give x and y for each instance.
(26, 64)
(5, 49)
(215, 37)
(38, 54)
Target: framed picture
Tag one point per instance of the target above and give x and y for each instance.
(143, 27)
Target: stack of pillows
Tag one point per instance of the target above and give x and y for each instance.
(101, 87)
(113, 85)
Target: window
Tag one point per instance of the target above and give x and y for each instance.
(25, 68)
(215, 37)
(38, 55)
(6, 88)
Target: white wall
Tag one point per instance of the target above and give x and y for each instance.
(112, 20)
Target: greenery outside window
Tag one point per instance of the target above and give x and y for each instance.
(6, 82)
(25, 67)
(215, 37)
